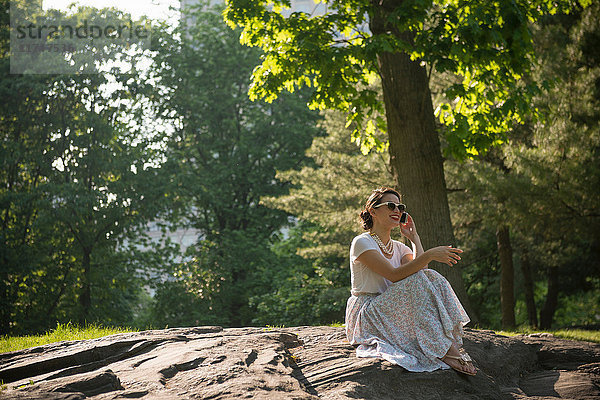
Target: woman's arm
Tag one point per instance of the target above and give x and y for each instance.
(417, 249)
(409, 230)
(417, 246)
(380, 265)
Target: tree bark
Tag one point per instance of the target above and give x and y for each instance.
(547, 312)
(507, 277)
(529, 293)
(415, 152)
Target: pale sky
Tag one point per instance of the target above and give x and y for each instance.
(155, 9)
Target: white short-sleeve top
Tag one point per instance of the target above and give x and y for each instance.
(364, 280)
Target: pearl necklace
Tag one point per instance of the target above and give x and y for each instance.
(388, 248)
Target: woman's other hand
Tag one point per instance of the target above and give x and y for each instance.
(445, 254)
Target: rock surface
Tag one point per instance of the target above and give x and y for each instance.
(290, 363)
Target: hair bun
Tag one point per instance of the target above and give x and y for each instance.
(366, 219)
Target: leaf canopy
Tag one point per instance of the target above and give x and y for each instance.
(486, 44)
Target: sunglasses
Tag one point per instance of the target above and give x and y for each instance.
(391, 206)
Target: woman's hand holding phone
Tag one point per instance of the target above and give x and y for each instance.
(408, 227)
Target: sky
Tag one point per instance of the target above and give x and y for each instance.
(155, 9)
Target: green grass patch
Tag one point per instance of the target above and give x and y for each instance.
(273, 327)
(60, 333)
(571, 334)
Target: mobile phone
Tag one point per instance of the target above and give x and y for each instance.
(403, 218)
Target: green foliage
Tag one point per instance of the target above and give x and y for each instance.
(75, 185)
(543, 184)
(301, 291)
(581, 308)
(222, 158)
(488, 44)
(173, 305)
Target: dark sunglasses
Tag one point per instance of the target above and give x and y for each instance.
(391, 206)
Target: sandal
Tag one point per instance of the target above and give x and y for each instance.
(464, 359)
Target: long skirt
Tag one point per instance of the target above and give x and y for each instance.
(412, 324)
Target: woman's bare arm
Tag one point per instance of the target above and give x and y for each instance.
(381, 265)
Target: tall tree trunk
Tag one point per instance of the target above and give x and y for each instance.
(529, 293)
(547, 312)
(415, 153)
(85, 298)
(507, 277)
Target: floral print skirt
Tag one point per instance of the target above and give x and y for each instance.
(412, 324)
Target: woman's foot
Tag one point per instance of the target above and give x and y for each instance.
(459, 361)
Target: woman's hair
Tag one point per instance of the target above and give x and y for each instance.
(366, 219)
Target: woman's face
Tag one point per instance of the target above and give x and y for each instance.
(383, 217)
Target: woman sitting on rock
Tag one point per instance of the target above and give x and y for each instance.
(400, 310)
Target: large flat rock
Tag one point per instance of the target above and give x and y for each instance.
(290, 363)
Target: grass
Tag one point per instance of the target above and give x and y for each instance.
(273, 327)
(60, 333)
(571, 334)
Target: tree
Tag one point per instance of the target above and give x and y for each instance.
(100, 188)
(223, 157)
(507, 278)
(542, 183)
(562, 158)
(74, 184)
(486, 43)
